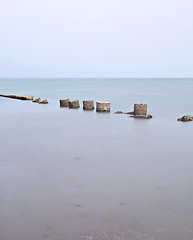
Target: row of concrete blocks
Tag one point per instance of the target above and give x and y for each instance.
(87, 105)
(139, 109)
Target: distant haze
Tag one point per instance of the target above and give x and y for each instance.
(96, 38)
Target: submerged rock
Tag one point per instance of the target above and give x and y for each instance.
(132, 113)
(186, 118)
(45, 101)
(147, 116)
(118, 112)
(37, 100)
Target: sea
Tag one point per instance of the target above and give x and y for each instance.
(70, 174)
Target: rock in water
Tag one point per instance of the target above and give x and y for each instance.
(37, 100)
(148, 116)
(45, 101)
(118, 112)
(186, 118)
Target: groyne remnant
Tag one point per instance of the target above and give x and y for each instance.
(74, 104)
(140, 109)
(64, 102)
(103, 106)
(37, 100)
(20, 97)
(45, 101)
(88, 104)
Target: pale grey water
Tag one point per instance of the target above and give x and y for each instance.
(73, 174)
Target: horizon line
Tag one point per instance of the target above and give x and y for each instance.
(96, 77)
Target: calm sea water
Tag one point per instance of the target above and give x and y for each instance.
(74, 174)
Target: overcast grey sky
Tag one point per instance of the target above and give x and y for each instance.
(96, 38)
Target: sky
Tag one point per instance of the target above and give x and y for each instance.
(96, 38)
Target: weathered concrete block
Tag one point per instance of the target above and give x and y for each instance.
(103, 106)
(37, 100)
(45, 101)
(20, 97)
(28, 97)
(140, 109)
(88, 104)
(64, 102)
(74, 104)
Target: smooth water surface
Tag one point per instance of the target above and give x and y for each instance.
(74, 174)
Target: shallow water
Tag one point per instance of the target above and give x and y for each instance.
(74, 174)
